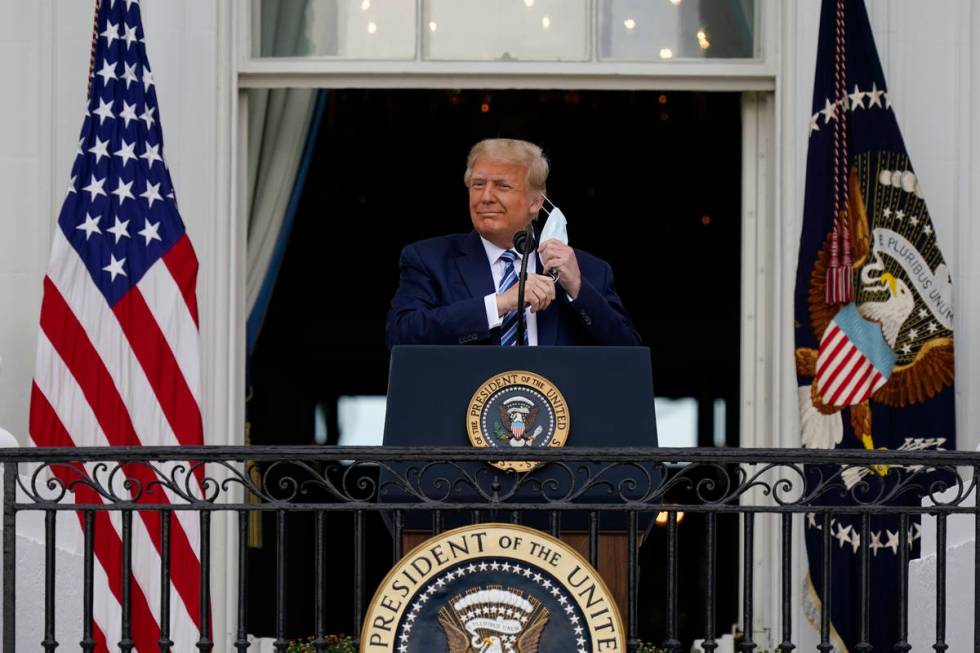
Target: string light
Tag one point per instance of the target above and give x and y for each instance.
(433, 26)
(675, 2)
(703, 39)
(545, 22)
(372, 27)
(365, 5)
(666, 53)
(528, 3)
(629, 23)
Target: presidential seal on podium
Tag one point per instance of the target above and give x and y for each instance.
(517, 410)
(492, 588)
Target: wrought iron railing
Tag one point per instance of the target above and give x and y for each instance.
(443, 485)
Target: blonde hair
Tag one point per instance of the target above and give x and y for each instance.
(511, 150)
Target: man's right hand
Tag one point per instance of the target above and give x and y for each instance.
(539, 292)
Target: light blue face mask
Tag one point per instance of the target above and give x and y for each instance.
(556, 226)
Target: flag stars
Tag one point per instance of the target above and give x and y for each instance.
(104, 111)
(147, 116)
(110, 33)
(71, 186)
(933, 327)
(122, 191)
(120, 229)
(115, 268)
(151, 232)
(829, 112)
(875, 543)
(94, 188)
(126, 151)
(851, 102)
(899, 215)
(100, 149)
(151, 155)
(90, 226)
(147, 79)
(923, 313)
(129, 74)
(914, 220)
(906, 349)
(130, 36)
(874, 96)
(927, 230)
(892, 542)
(128, 113)
(887, 212)
(857, 98)
(913, 334)
(843, 534)
(108, 72)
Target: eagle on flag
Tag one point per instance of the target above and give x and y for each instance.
(886, 346)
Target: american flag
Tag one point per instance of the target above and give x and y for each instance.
(117, 359)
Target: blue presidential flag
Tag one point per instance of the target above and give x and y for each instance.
(874, 324)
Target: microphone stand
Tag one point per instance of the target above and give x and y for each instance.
(523, 243)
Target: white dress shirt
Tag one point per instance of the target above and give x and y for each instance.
(497, 266)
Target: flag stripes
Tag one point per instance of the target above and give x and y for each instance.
(844, 375)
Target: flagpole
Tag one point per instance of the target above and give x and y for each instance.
(91, 57)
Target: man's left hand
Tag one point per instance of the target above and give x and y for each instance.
(556, 255)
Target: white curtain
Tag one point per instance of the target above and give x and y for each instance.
(278, 126)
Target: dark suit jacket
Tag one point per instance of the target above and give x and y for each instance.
(443, 281)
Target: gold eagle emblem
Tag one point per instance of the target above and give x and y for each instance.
(493, 619)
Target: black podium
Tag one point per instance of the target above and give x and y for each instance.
(609, 391)
(609, 396)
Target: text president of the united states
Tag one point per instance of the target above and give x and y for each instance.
(461, 289)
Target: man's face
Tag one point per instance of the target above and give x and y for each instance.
(500, 202)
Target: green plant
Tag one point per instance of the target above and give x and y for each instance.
(647, 647)
(335, 644)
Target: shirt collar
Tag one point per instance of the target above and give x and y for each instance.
(494, 252)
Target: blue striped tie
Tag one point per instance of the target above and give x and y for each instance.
(508, 327)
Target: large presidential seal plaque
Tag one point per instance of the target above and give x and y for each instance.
(517, 410)
(492, 588)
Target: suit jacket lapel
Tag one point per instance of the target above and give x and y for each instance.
(548, 318)
(474, 267)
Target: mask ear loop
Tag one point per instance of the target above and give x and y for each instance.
(548, 211)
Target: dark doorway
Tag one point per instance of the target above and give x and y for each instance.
(650, 181)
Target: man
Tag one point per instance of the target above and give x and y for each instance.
(462, 289)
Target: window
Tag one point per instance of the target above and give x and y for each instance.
(505, 30)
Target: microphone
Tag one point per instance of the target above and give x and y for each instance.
(524, 241)
(524, 244)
